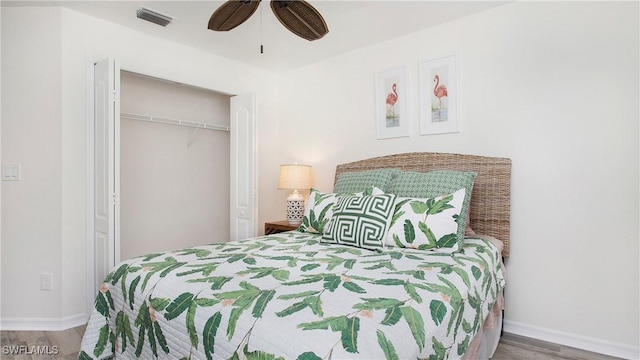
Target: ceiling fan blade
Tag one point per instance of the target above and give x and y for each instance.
(231, 14)
(300, 18)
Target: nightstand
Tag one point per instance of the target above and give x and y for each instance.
(274, 227)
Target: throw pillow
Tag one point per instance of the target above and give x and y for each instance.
(427, 223)
(436, 183)
(319, 209)
(352, 182)
(360, 221)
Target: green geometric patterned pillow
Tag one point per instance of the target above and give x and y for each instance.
(426, 224)
(319, 209)
(436, 183)
(352, 182)
(360, 221)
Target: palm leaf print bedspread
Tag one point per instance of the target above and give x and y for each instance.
(286, 296)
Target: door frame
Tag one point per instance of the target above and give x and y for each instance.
(90, 172)
(89, 183)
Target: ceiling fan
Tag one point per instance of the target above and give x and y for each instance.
(298, 16)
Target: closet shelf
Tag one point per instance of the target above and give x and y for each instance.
(161, 120)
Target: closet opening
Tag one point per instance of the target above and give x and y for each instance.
(174, 165)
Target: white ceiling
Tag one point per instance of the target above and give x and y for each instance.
(352, 25)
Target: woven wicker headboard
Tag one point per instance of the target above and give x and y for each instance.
(490, 199)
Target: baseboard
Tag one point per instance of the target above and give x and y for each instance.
(581, 342)
(43, 324)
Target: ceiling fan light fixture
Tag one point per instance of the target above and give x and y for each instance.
(153, 16)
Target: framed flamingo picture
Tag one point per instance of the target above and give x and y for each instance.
(439, 96)
(392, 119)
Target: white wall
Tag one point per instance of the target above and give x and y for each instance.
(174, 180)
(45, 57)
(554, 87)
(31, 136)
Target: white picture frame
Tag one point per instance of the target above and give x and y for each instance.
(439, 96)
(392, 115)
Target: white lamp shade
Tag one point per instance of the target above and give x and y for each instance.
(295, 177)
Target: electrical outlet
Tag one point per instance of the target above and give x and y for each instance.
(46, 281)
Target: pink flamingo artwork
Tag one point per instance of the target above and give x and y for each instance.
(439, 91)
(392, 98)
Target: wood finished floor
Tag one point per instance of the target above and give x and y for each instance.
(66, 345)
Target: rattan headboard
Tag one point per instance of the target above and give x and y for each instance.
(490, 199)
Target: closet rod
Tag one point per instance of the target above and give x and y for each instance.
(157, 119)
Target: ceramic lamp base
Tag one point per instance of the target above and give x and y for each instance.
(295, 211)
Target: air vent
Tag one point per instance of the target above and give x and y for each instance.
(153, 16)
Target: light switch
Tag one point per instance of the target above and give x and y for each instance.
(10, 172)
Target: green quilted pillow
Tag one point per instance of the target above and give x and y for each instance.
(360, 221)
(435, 183)
(319, 209)
(426, 223)
(353, 182)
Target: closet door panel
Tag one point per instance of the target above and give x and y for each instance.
(243, 168)
(106, 161)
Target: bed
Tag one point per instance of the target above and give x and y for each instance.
(341, 286)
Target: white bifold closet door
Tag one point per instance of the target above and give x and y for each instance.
(106, 242)
(243, 167)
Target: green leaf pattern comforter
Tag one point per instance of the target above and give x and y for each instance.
(287, 296)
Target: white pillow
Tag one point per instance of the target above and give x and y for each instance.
(426, 223)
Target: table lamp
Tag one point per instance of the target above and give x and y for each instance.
(295, 177)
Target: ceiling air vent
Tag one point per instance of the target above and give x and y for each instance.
(153, 16)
